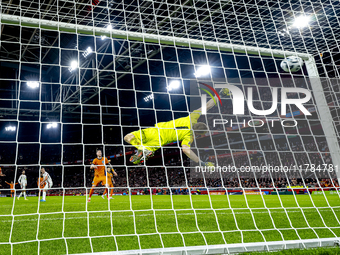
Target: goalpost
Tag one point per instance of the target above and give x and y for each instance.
(324, 103)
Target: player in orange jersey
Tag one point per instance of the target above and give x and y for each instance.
(11, 185)
(98, 164)
(40, 183)
(110, 172)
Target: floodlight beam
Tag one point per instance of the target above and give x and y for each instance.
(33, 84)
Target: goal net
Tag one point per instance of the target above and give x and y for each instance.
(80, 76)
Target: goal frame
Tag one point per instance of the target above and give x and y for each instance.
(144, 37)
(231, 248)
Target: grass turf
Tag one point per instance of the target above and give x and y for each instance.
(71, 224)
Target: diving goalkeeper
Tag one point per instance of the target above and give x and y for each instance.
(149, 140)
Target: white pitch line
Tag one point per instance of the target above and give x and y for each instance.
(157, 214)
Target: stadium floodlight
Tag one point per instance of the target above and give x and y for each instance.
(33, 84)
(10, 128)
(202, 71)
(173, 85)
(74, 66)
(284, 32)
(148, 98)
(109, 27)
(87, 52)
(301, 22)
(52, 125)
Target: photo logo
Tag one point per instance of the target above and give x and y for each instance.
(239, 98)
(204, 97)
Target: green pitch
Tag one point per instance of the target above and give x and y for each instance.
(75, 225)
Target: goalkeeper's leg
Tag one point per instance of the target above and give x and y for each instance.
(134, 139)
(149, 139)
(142, 155)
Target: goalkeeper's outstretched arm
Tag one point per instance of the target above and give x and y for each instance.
(192, 155)
(210, 104)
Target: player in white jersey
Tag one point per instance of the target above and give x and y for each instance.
(48, 183)
(23, 184)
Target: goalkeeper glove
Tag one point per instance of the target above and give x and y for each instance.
(210, 165)
(224, 92)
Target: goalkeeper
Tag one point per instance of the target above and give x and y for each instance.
(148, 140)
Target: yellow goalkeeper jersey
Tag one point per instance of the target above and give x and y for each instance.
(179, 128)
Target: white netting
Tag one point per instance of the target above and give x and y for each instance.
(79, 76)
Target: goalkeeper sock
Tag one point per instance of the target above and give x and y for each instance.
(111, 192)
(44, 195)
(25, 194)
